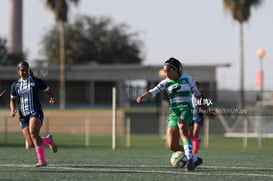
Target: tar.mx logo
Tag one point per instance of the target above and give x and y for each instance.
(204, 101)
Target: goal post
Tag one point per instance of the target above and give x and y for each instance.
(114, 118)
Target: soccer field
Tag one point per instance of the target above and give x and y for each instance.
(134, 164)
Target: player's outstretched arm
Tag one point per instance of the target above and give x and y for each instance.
(146, 95)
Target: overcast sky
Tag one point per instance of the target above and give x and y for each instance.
(196, 32)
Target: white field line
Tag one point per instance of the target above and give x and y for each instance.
(137, 169)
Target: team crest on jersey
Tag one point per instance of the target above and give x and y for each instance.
(176, 88)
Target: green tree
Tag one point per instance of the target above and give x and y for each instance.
(60, 10)
(91, 39)
(3, 50)
(240, 10)
(9, 58)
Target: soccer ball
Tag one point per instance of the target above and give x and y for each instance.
(178, 159)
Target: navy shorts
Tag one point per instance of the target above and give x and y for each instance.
(198, 119)
(24, 120)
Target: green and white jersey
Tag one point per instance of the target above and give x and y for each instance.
(179, 91)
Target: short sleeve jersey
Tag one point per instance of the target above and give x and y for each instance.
(26, 92)
(179, 91)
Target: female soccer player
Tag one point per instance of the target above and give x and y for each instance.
(179, 87)
(200, 109)
(24, 91)
(197, 124)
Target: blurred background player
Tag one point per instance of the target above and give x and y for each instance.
(197, 123)
(2, 93)
(200, 108)
(24, 92)
(179, 87)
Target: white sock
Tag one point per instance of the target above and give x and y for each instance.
(188, 151)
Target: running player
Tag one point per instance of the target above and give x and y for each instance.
(179, 87)
(197, 124)
(200, 109)
(24, 91)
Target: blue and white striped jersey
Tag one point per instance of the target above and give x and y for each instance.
(26, 92)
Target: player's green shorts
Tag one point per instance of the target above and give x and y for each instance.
(179, 113)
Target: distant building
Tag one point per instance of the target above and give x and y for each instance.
(91, 85)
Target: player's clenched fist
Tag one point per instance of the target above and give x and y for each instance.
(12, 113)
